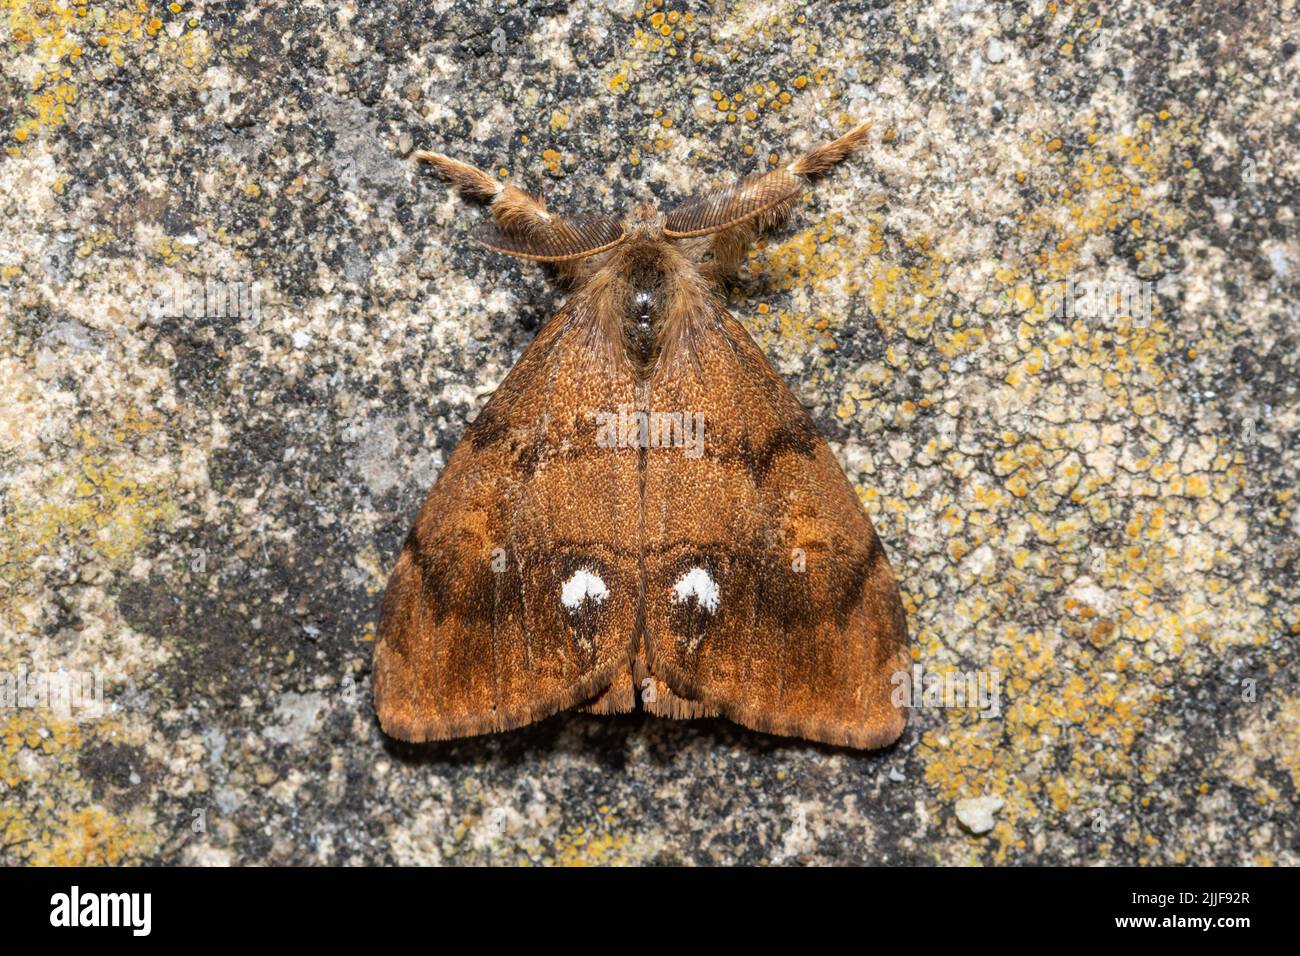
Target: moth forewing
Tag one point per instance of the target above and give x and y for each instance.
(769, 596)
(643, 513)
(514, 594)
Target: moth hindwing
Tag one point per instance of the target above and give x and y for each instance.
(643, 513)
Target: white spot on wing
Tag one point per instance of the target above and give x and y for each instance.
(584, 584)
(699, 584)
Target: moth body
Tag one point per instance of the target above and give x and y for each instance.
(643, 514)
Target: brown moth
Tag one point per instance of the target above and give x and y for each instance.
(589, 544)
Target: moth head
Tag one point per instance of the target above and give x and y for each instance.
(644, 215)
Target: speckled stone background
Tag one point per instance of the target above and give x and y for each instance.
(202, 508)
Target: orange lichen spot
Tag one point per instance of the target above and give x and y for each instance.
(1054, 146)
(800, 82)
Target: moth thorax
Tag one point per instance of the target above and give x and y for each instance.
(642, 320)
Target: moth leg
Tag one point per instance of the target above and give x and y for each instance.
(729, 246)
(514, 210)
(524, 227)
(819, 160)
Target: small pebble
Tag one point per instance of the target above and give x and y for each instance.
(976, 813)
